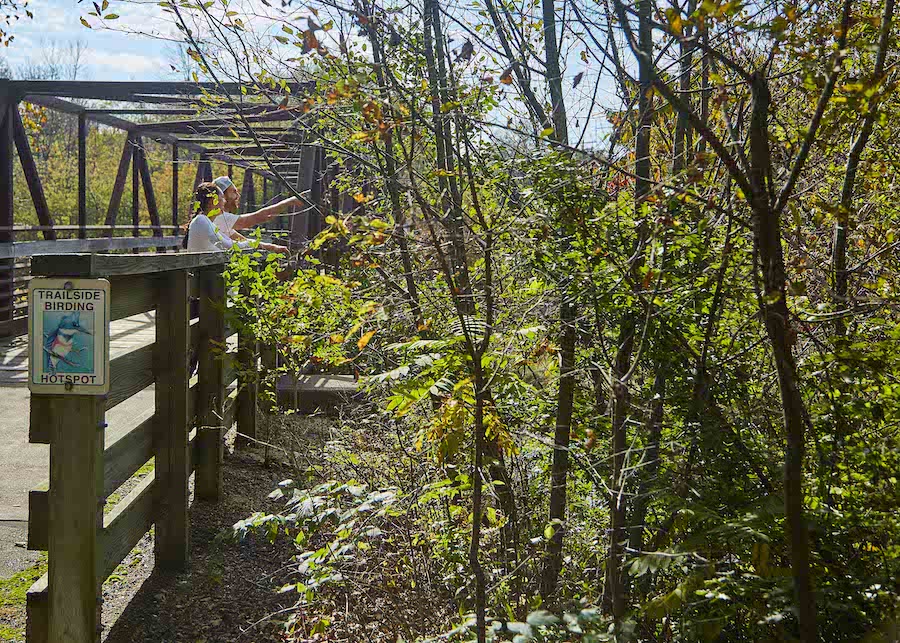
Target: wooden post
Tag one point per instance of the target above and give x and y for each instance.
(265, 199)
(305, 181)
(175, 188)
(173, 457)
(211, 382)
(82, 176)
(247, 388)
(315, 220)
(76, 428)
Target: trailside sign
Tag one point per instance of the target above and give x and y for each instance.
(68, 336)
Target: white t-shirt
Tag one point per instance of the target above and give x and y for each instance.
(225, 223)
(204, 236)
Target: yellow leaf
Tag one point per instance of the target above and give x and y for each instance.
(337, 338)
(85, 23)
(364, 340)
(675, 21)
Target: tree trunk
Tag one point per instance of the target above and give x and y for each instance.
(682, 141)
(615, 595)
(474, 546)
(651, 457)
(506, 499)
(767, 237)
(438, 81)
(839, 250)
(568, 317)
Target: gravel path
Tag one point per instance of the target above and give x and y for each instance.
(229, 586)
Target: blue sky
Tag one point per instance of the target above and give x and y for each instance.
(108, 55)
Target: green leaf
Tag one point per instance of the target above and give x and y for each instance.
(85, 23)
(111, 16)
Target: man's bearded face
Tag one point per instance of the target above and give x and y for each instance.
(232, 199)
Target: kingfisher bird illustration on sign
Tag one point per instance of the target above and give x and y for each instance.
(62, 340)
(69, 336)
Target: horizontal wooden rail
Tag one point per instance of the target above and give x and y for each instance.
(124, 526)
(14, 327)
(129, 374)
(88, 228)
(101, 244)
(38, 517)
(125, 456)
(97, 266)
(132, 295)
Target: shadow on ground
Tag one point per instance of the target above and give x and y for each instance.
(230, 588)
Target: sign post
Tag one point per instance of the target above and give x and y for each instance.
(68, 333)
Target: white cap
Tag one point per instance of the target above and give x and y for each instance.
(223, 183)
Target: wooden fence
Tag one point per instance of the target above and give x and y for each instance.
(185, 435)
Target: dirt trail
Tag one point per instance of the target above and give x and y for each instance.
(229, 586)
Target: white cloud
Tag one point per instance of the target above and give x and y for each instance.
(107, 64)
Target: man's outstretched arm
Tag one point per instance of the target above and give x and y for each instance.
(264, 214)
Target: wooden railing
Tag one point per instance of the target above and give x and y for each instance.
(15, 267)
(185, 434)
